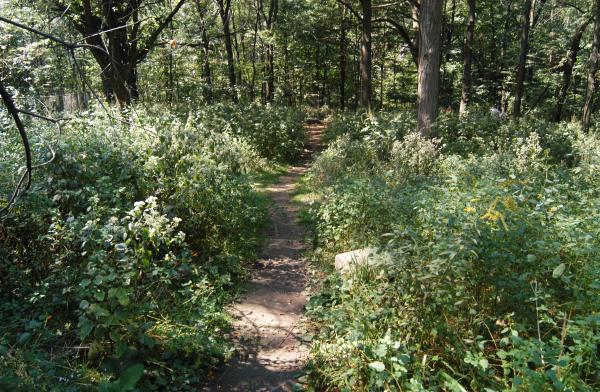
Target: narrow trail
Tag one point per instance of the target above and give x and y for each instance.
(267, 330)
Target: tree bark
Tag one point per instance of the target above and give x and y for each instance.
(254, 43)
(468, 59)
(343, 58)
(236, 47)
(586, 118)
(225, 14)
(366, 61)
(119, 50)
(502, 103)
(450, 30)
(519, 84)
(206, 74)
(567, 67)
(430, 19)
(269, 56)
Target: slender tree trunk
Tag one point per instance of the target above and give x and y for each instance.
(450, 31)
(366, 61)
(567, 67)
(468, 59)
(519, 84)
(324, 78)
(225, 14)
(269, 63)
(287, 89)
(356, 70)
(254, 42)
(381, 79)
(343, 58)
(429, 64)
(206, 75)
(503, 98)
(591, 78)
(236, 48)
(270, 71)
(317, 76)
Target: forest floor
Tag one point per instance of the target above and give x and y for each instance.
(267, 329)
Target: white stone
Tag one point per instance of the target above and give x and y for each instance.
(345, 261)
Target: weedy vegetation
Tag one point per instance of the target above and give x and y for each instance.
(488, 277)
(120, 262)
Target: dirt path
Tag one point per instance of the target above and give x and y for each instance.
(267, 330)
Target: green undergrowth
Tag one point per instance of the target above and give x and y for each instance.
(487, 276)
(116, 266)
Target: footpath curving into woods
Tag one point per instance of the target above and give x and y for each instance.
(267, 330)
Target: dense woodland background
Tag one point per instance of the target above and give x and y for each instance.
(519, 57)
(461, 143)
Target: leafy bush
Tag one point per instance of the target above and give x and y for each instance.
(490, 280)
(275, 132)
(115, 267)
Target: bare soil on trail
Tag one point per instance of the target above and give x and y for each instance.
(267, 330)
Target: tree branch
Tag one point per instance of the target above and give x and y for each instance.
(352, 10)
(414, 50)
(154, 36)
(10, 105)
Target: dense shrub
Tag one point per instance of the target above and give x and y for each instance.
(120, 259)
(490, 272)
(275, 132)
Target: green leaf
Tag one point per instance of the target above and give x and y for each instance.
(377, 366)
(85, 283)
(451, 384)
(99, 310)
(99, 295)
(122, 296)
(558, 271)
(24, 337)
(483, 363)
(85, 327)
(130, 377)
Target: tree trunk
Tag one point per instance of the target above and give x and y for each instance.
(236, 47)
(366, 56)
(270, 71)
(254, 42)
(468, 59)
(567, 68)
(287, 88)
(269, 84)
(502, 103)
(519, 87)
(450, 31)
(225, 14)
(206, 75)
(381, 79)
(117, 50)
(430, 22)
(591, 78)
(343, 59)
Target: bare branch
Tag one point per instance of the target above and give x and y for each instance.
(10, 105)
